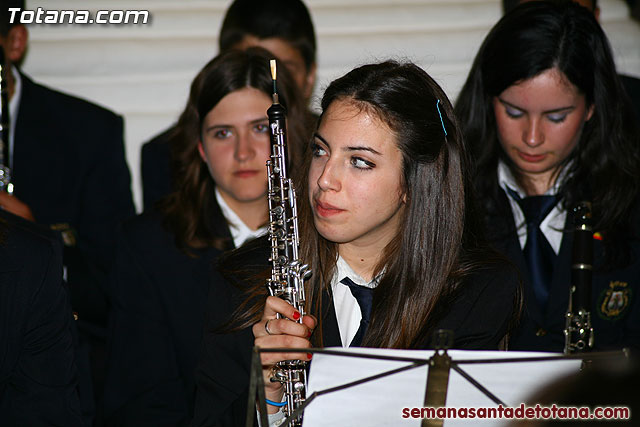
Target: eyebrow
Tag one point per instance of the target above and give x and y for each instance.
(223, 126)
(555, 110)
(350, 148)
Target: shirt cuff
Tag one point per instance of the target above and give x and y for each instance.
(274, 419)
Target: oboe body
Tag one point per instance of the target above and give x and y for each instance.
(578, 331)
(287, 273)
(5, 170)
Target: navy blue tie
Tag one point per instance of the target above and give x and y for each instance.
(537, 251)
(364, 296)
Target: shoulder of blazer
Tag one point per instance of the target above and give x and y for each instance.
(252, 258)
(36, 97)
(148, 239)
(146, 236)
(141, 226)
(22, 242)
(159, 144)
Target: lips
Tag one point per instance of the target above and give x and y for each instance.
(326, 209)
(531, 158)
(247, 173)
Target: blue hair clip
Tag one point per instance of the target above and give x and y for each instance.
(440, 114)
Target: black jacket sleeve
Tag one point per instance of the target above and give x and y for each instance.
(486, 307)
(38, 378)
(143, 385)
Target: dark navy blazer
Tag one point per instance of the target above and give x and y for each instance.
(615, 310)
(69, 167)
(155, 167)
(38, 376)
(159, 298)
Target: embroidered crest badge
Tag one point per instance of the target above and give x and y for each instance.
(614, 300)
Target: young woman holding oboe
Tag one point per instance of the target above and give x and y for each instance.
(386, 224)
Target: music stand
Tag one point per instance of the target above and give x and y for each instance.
(437, 379)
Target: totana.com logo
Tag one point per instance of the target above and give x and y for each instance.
(44, 16)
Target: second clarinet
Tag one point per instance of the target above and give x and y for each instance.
(578, 330)
(287, 273)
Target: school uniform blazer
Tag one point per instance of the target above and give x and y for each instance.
(159, 295)
(155, 167)
(69, 167)
(479, 317)
(615, 309)
(38, 375)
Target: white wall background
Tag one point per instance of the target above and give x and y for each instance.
(144, 71)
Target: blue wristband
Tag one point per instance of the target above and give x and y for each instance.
(278, 404)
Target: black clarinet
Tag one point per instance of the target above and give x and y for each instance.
(578, 333)
(5, 170)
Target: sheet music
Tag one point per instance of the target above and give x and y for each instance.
(380, 402)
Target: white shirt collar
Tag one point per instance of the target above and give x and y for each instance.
(552, 225)
(344, 270)
(240, 232)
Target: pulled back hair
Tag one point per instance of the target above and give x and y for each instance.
(604, 166)
(190, 211)
(438, 244)
(285, 19)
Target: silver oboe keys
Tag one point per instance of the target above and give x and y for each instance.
(287, 273)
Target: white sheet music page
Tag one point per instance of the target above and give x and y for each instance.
(388, 401)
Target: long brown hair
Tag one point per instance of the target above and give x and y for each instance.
(439, 242)
(190, 211)
(426, 260)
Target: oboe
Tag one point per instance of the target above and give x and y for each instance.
(578, 333)
(5, 170)
(287, 273)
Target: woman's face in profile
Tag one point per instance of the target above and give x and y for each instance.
(355, 178)
(539, 122)
(235, 145)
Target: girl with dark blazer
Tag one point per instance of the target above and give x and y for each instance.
(162, 274)
(384, 203)
(547, 120)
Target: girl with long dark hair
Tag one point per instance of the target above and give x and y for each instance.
(384, 204)
(162, 275)
(549, 126)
